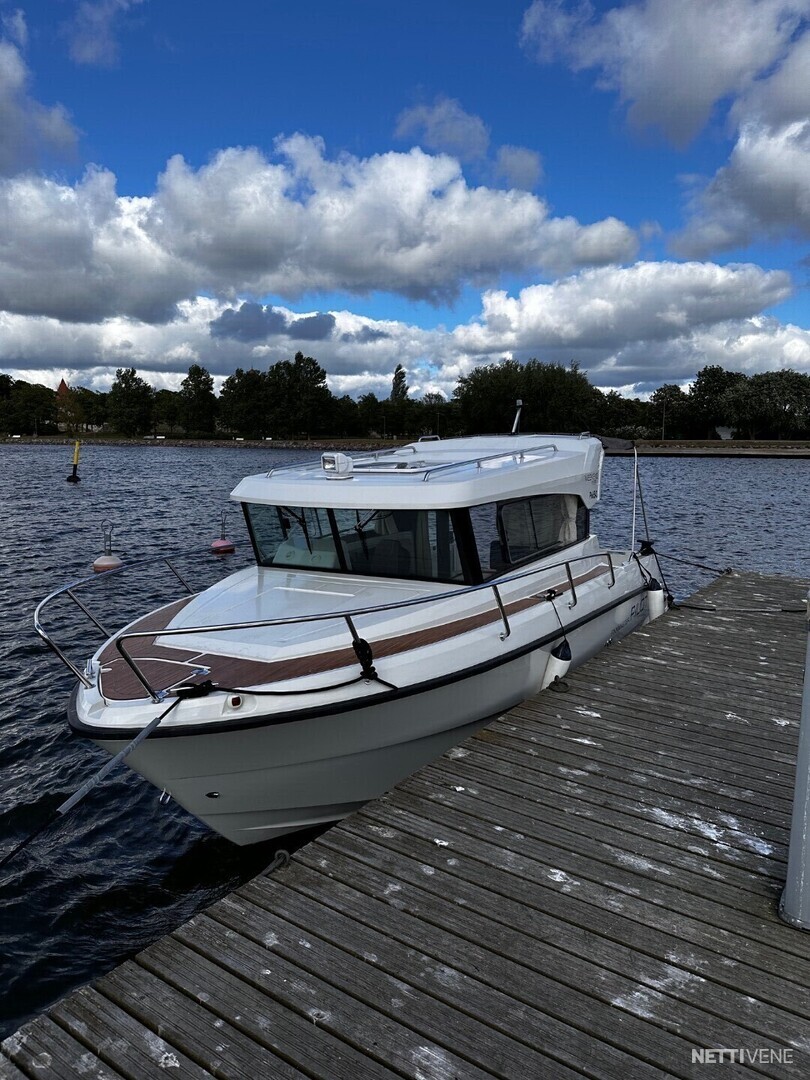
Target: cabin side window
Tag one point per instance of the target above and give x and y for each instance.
(485, 527)
(510, 533)
(541, 525)
(416, 544)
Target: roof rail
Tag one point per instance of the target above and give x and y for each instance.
(519, 454)
(360, 455)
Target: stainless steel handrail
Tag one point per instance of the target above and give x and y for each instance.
(185, 631)
(362, 455)
(68, 590)
(488, 457)
(427, 470)
(120, 639)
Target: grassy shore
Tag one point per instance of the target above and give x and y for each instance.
(648, 447)
(316, 445)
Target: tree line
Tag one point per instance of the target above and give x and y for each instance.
(291, 400)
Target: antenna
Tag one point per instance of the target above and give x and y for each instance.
(516, 424)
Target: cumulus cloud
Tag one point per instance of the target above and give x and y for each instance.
(750, 345)
(29, 130)
(519, 167)
(603, 309)
(315, 327)
(256, 322)
(364, 335)
(765, 186)
(403, 223)
(783, 95)
(81, 253)
(46, 348)
(93, 31)
(446, 127)
(250, 322)
(670, 63)
(640, 325)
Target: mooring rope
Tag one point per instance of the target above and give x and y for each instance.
(700, 566)
(743, 610)
(280, 859)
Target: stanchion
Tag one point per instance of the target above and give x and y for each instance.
(795, 905)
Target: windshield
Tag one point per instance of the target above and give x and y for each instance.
(379, 543)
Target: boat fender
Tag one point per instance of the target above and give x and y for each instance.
(559, 662)
(656, 599)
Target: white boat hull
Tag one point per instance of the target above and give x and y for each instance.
(255, 782)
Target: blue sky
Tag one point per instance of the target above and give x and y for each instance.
(441, 185)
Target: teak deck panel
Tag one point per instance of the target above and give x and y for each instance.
(587, 887)
(166, 666)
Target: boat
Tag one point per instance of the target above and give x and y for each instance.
(396, 602)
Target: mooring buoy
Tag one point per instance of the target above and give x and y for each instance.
(222, 545)
(107, 561)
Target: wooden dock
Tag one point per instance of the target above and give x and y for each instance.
(588, 887)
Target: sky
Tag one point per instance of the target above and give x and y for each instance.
(441, 185)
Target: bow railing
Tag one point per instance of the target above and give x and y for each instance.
(121, 640)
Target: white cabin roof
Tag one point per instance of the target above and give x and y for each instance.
(439, 474)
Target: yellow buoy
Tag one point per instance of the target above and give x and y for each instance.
(74, 477)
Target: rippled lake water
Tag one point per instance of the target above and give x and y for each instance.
(121, 869)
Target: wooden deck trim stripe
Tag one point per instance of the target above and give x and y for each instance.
(119, 684)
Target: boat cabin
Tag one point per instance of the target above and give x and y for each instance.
(452, 511)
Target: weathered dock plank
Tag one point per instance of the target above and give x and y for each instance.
(220, 997)
(47, 1050)
(272, 967)
(588, 887)
(226, 1051)
(474, 916)
(120, 1040)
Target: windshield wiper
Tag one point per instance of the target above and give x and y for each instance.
(302, 521)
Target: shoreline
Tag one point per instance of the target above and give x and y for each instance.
(748, 448)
